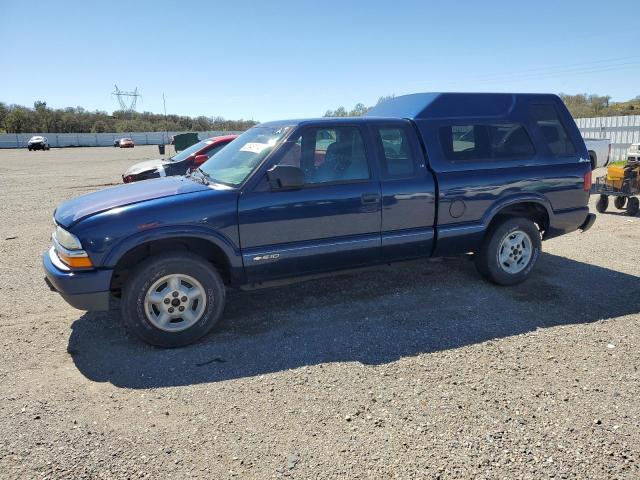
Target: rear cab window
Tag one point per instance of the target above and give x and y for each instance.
(553, 130)
(481, 142)
(398, 159)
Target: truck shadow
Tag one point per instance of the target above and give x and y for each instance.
(372, 318)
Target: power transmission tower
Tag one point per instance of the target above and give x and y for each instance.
(127, 100)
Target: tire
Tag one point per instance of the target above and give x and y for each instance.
(499, 242)
(29, 148)
(145, 319)
(602, 203)
(619, 202)
(633, 205)
(592, 159)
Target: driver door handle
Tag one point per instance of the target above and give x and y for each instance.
(369, 198)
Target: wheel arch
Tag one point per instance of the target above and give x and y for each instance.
(131, 252)
(536, 209)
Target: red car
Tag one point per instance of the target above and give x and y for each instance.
(126, 143)
(180, 164)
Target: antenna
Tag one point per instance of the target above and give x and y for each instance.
(127, 100)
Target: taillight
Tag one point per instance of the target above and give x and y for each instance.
(587, 181)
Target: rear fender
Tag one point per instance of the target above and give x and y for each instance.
(468, 237)
(505, 202)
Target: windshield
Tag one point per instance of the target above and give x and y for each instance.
(186, 153)
(233, 164)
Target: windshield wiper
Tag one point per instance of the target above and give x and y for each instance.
(202, 176)
(205, 174)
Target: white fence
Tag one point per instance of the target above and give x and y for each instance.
(19, 140)
(623, 131)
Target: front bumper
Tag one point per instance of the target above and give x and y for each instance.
(84, 290)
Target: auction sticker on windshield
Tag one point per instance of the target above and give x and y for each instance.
(254, 147)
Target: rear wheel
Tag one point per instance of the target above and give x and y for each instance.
(173, 301)
(602, 203)
(592, 159)
(633, 205)
(619, 202)
(510, 251)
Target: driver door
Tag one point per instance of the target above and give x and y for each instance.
(331, 223)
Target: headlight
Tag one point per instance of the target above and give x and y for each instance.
(69, 249)
(66, 239)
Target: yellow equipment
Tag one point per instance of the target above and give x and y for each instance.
(615, 176)
(623, 184)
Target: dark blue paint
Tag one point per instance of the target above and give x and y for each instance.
(267, 235)
(78, 208)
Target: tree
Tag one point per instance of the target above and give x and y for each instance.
(4, 110)
(338, 112)
(358, 110)
(41, 118)
(99, 127)
(18, 120)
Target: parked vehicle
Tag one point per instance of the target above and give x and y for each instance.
(633, 153)
(420, 175)
(126, 143)
(180, 164)
(599, 151)
(38, 143)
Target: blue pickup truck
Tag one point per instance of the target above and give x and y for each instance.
(419, 176)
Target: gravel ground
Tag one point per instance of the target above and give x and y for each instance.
(418, 370)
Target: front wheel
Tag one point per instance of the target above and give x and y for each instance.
(633, 205)
(509, 251)
(173, 301)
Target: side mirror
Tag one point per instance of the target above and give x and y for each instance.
(199, 160)
(285, 177)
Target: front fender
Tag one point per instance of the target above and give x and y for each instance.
(175, 231)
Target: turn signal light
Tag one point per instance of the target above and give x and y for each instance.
(75, 261)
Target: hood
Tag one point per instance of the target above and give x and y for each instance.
(78, 208)
(146, 166)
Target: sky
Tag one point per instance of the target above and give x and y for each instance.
(267, 60)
